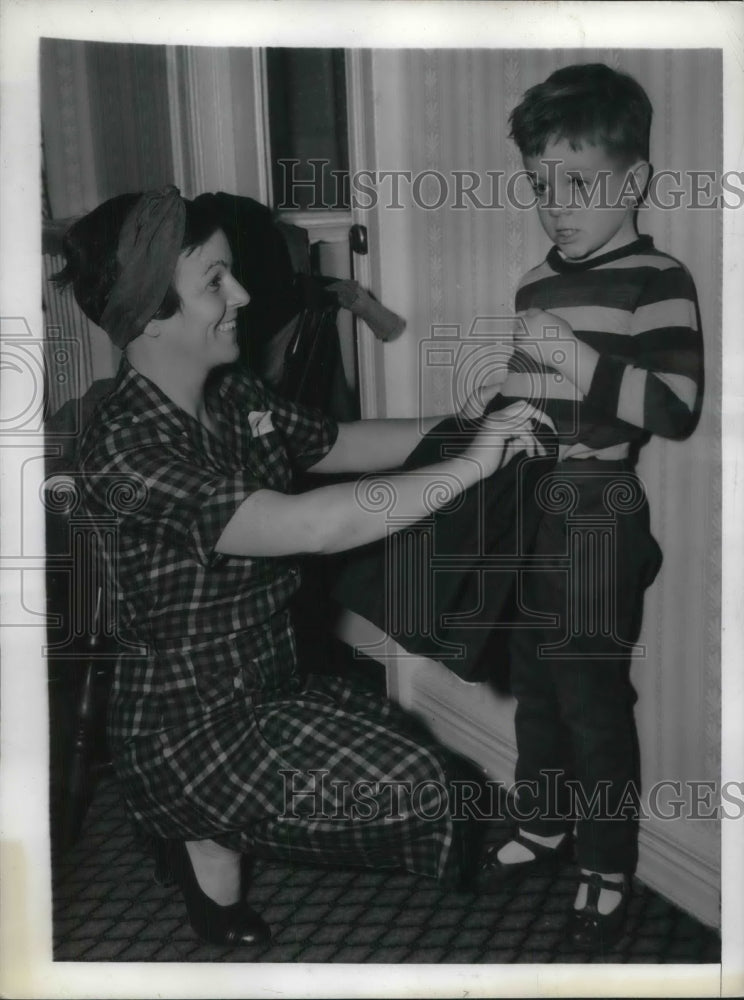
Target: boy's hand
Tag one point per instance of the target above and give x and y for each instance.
(539, 326)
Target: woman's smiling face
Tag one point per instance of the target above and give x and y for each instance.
(204, 328)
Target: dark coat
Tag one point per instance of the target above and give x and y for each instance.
(445, 587)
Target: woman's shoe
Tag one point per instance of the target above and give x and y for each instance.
(591, 930)
(226, 925)
(544, 860)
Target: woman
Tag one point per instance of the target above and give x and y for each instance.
(220, 748)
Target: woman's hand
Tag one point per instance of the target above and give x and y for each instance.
(505, 434)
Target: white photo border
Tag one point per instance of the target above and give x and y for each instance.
(25, 917)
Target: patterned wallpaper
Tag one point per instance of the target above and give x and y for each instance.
(447, 111)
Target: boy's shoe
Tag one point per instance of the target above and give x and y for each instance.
(494, 873)
(591, 930)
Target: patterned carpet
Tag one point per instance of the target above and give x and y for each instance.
(107, 907)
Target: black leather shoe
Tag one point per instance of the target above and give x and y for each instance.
(544, 860)
(591, 930)
(227, 925)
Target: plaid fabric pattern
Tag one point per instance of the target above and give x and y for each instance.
(212, 623)
(212, 733)
(317, 772)
(185, 486)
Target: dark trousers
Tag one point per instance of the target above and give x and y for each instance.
(580, 605)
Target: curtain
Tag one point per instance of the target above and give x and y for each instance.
(105, 121)
(106, 131)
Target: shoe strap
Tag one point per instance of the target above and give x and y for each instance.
(534, 846)
(595, 884)
(536, 850)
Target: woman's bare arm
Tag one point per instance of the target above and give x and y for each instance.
(371, 445)
(345, 515)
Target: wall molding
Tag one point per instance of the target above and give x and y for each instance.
(262, 128)
(473, 720)
(325, 227)
(366, 270)
(205, 119)
(175, 114)
(679, 873)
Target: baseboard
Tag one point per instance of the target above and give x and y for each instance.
(471, 720)
(474, 721)
(678, 872)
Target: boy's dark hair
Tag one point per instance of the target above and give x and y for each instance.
(588, 103)
(91, 243)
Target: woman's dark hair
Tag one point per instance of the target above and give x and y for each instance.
(589, 103)
(90, 246)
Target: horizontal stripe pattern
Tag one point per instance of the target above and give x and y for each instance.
(637, 307)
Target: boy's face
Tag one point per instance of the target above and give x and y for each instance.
(585, 198)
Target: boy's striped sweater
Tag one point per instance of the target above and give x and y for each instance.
(637, 307)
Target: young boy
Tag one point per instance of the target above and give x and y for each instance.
(611, 347)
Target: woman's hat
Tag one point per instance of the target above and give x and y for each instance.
(149, 245)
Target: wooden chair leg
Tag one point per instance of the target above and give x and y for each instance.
(80, 779)
(79, 776)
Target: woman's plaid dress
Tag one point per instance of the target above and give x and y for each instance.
(212, 731)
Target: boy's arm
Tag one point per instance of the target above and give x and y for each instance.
(660, 390)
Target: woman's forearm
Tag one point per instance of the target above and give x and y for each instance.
(380, 504)
(372, 445)
(346, 515)
(343, 515)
